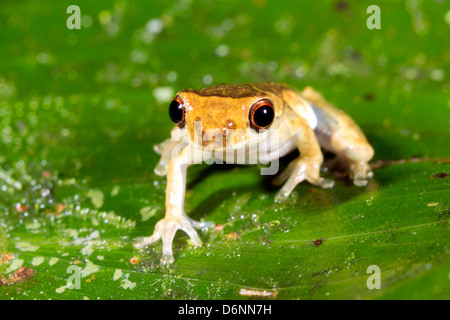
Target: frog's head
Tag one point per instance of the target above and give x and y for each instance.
(224, 116)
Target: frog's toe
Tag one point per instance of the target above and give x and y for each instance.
(202, 225)
(369, 173)
(281, 196)
(360, 172)
(285, 175)
(161, 169)
(167, 257)
(360, 182)
(159, 148)
(324, 183)
(163, 146)
(167, 239)
(146, 241)
(286, 189)
(195, 239)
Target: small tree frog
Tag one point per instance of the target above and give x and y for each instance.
(217, 122)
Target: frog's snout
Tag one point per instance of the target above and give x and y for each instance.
(216, 136)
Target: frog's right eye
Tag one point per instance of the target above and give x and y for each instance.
(176, 112)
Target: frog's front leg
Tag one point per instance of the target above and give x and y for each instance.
(175, 218)
(307, 165)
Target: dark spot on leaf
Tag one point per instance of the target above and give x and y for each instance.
(369, 96)
(341, 5)
(440, 175)
(318, 242)
(356, 56)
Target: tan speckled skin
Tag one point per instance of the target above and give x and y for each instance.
(305, 121)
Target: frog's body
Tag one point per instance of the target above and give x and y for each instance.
(221, 119)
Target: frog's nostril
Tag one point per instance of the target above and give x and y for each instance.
(230, 125)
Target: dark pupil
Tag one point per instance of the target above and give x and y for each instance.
(263, 116)
(176, 111)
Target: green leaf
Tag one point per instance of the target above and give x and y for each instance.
(81, 109)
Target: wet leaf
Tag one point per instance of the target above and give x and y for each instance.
(80, 111)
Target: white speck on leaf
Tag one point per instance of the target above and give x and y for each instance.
(26, 246)
(115, 191)
(148, 212)
(222, 50)
(127, 284)
(33, 225)
(96, 197)
(61, 289)
(117, 274)
(15, 264)
(37, 261)
(89, 269)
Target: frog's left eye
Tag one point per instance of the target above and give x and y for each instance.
(261, 115)
(176, 112)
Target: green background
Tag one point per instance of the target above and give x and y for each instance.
(81, 109)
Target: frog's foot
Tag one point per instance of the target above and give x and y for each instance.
(297, 171)
(166, 228)
(359, 172)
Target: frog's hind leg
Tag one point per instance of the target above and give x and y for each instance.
(338, 133)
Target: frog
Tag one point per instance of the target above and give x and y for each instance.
(216, 121)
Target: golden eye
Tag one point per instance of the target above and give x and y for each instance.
(176, 112)
(261, 115)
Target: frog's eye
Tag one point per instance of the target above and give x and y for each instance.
(176, 112)
(261, 115)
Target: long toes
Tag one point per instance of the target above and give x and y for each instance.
(167, 238)
(146, 241)
(195, 239)
(369, 173)
(158, 148)
(360, 182)
(288, 186)
(161, 170)
(281, 196)
(360, 174)
(202, 224)
(286, 174)
(324, 183)
(167, 257)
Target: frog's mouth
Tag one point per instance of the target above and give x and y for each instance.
(231, 140)
(219, 140)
